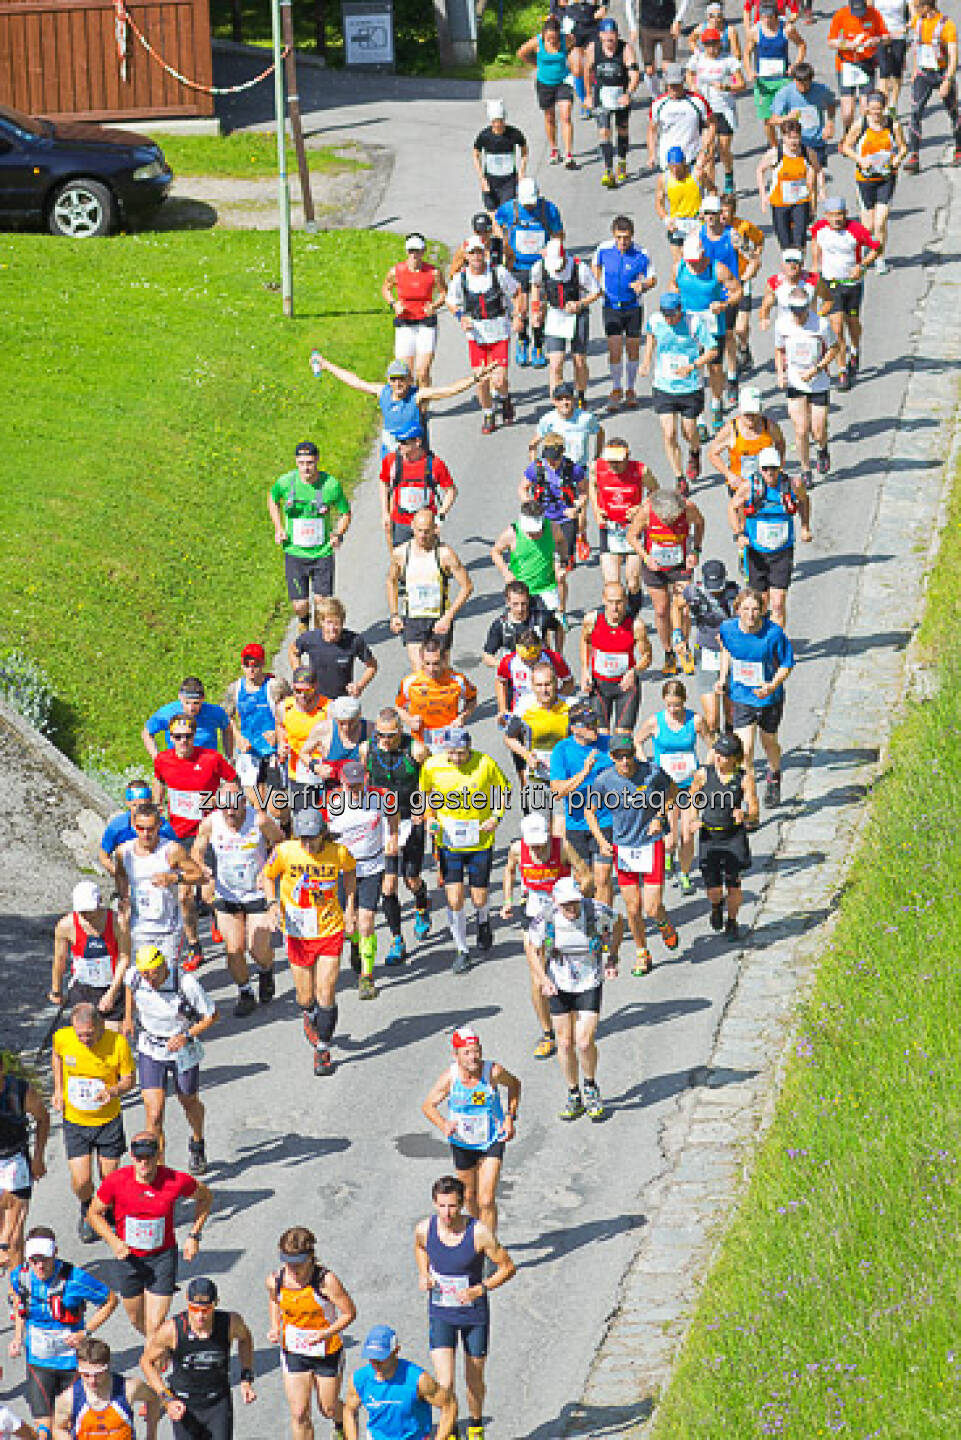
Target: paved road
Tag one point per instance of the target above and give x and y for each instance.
(352, 1156)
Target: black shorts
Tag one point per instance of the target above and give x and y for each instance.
(213, 1420)
(876, 192)
(240, 907)
(846, 299)
(548, 95)
(80, 994)
(664, 579)
(721, 866)
(329, 1365)
(722, 125)
(43, 1387)
(585, 847)
(368, 891)
(417, 630)
(767, 571)
(497, 190)
(570, 1002)
(300, 571)
(107, 1139)
(409, 861)
(688, 406)
(891, 57)
(465, 1159)
(791, 224)
(816, 397)
(154, 1273)
(766, 717)
(554, 345)
(620, 707)
(474, 866)
(626, 321)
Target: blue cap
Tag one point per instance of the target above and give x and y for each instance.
(380, 1344)
(139, 790)
(671, 302)
(608, 25)
(675, 155)
(411, 432)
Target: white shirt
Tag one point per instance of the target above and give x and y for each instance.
(804, 345)
(575, 432)
(679, 122)
(711, 73)
(158, 1011)
(894, 13)
(486, 332)
(361, 829)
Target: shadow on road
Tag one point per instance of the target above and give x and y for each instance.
(594, 1420)
(553, 1245)
(658, 1088)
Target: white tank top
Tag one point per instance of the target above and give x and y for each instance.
(241, 855)
(424, 582)
(574, 965)
(154, 909)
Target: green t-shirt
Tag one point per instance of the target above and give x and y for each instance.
(307, 512)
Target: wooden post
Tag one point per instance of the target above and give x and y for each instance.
(293, 106)
(320, 26)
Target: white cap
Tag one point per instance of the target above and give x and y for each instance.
(567, 891)
(86, 896)
(796, 255)
(749, 400)
(769, 458)
(711, 205)
(535, 829)
(496, 109)
(532, 524)
(693, 249)
(473, 242)
(345, 707)
(415, 241)
(554, 257)
(527, 191)
(40, 1246)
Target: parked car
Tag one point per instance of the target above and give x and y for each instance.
(77, 180)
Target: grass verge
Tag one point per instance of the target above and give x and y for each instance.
(153, 391)
(248, 156)
(833, 1307)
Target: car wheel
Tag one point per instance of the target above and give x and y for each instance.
(81, 209)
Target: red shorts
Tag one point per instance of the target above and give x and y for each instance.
(304, 953)
(498, 353)
(655, 876)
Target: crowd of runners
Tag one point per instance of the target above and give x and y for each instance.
(316, 809)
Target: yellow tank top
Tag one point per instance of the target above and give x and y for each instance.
(305, 1310)
(684, 198)
(298, 725)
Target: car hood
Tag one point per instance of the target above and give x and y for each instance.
(99, 136)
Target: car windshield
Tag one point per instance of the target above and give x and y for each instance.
(27, 125)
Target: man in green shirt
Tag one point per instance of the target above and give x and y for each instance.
(311, 516)
(526, 551)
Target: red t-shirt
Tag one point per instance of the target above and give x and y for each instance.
(619, 491)
(411, 493)
(186, 780)
(149, 1208)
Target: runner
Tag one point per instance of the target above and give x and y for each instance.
(526, 550)
(483, 299)
(538, 858)
(101, 1402)
(172, 1010)
(614, 651)
(814, 106)
(580, 19)
(877, 146)
(301, 882)
(500, 157)
(241, 838)
(616, 76)
(744, 436)
(569, 968)
(935, 73)
(709, 290)
(617, 488)
(211, 721)
(93, 1068)
(581, 431)
(577, 764)
(761, 515)
(539, 722)
(855, 33)
(767, 52)
(625, 272)
(151, 879)
(523, 612)
(185, 776)
(791, 276)
(335, 739)
(757, 658)
(714, 20)
(709, 605)
(724, 853)
(142, 1198)
(637, 795)
(309, 1312)
(477, 1125)
(296, 719)
(362, 820)
(20, 1102)
(465, 844)
(743, 243)
(525, 225)
(680, 117)
(562, 289)
(673, 733)
(790, 197)
(548, 52)
(393, 762)
(681, 348)
(667, 533)
(659, 28)
(332, 651)
(252, 702)
(453, 1251)
(196, 1346)
(514, 679)
(49, 1298)
(311, 515)
(86, 952)
(720, 79)
(120, 826)
(434, 697)
(397, 1396)
(677, 198)
(560, 487)
(804, 346)
(412, 478)
(415, 292)
(402, 403)
(893, 51)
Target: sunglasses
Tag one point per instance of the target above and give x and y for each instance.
(387, 734)
(245, 663)
(146, 829)
(181, 734)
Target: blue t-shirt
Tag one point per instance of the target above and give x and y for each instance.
(394, 1409)
(634, 804)
(119, 830)
(813, 108)
(755, 659)
(676, 344)
(567, 759)
(212, 721)
(79, 1290)
(620, 270)
(529, 227)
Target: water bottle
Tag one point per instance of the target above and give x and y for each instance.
(316, 363)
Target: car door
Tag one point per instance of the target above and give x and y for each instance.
(21, 179)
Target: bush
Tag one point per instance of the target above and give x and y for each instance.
(25, 686)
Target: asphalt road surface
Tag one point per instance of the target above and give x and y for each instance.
(351, 1156)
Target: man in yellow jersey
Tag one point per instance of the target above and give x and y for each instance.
(92, 1068)
(300, 882)
(536, 726)
(296, 718)
(466, 794)
(435, 697)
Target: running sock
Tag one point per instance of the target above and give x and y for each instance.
(582, 398)
(579, 90)
(617, 369)
(622, 144)
(325, 1022)
(481, 912)
(353, 938)
(538, 333)
(457, 919)
(524, 335)
(246, 988)
(391, 904)
(368, 954)
(607, 154)
(422, 900)
(631, 373)
(731, 377)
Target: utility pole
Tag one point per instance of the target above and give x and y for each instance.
(296, 129)
(283, 184)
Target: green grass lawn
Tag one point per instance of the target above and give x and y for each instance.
(152, 392)
(833, 1308)
(248, 155)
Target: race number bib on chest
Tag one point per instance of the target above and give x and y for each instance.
(301, 922)
(14, 1174)
(303, 1342)
(610, 97)
(239, 872)
(805, 351)
(461, 834)
(638, 859)
(559, 325)
(149, 900)
(853, 76)
(711, 661)
(95, 970)
(447, 1288)
(667, 556)
(424, 599)
(529, 242)
(610, 664)
(144, 1234)
(308, 531)
(499, 164)
(474, 1129)
(48, 1344)
(680, 765)
(795, 192)
(186, 804)
(747, 672)
(411, 498)
(86, 1094)
(772, 534)
(770, 67)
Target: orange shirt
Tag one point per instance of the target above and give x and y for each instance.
(790, 181)
(932, 35)
(435, 704)
(848, 27)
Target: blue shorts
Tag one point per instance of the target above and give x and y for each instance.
(163, 1075)
(443, 1335)
(474, 866)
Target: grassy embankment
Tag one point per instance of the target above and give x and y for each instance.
(249, 156)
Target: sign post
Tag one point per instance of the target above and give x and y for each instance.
(369, 34)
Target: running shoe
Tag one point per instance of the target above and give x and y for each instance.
(956, 158)
(538, 358)
(717, 918)
(422, 924)
(620, 172)
(730, 393)
(555, 157)
(366, 989)
(608, 181)
(85, 1231)
(731, 931)
(615, 399)
(668, 934)
(246, 1004)
(216, 938)
(397, 953)
(195, 958)
(310, 1029)
(593, 1103)
(631, 401)
(670, 663)
(644, 963)
(912, 164)
(574, 1108)
(685, 882)
(522, 351)
(824, 461)
(487, 423)
(485, 937)
(807, 478)
(854, 363)
(507, 410)
(844, 380)
(582, 549)
(475, 1432)
(772, 790)
(266, 986)
(745, 360)
(569, 162)
(461, 963)
(546, 1046)
(196, 1157)
(323, 1064)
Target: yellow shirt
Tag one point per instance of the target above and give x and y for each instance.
(468, 795)
(308, 887)
(547, 727)
(86, 1068)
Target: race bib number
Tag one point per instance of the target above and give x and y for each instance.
(610, 664)
(247, 767)
(141, 1234)
(806, 351)
(188, 1056)
(617, 542)
(303, 1342)
(185, 804)
(675, 366)
(747, 672)
(411, 498)
(772, 534)
(852, 76)
(48, 1344)
(149, 901)
(499, 165)
(680, 765)
(708, 316)
(880, 161)
(567, 25)
(610, 97)
(308, 531)
(86, 1094)
(928, 57)
(795, 192)
(424, 600)
(95, 970)
(559, 325)
(474, 1130)
(685, 224)
(711, 661)
(14, 1174)
(239, 872)
(301, 922)
(529, 242)
(447, 1288)
(809, 117)
(638, 859)
(667, 556)
(770, 67)
(542, 762)
(461, 834)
